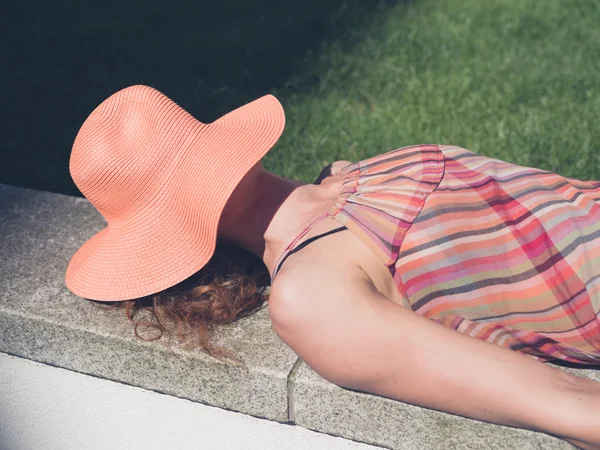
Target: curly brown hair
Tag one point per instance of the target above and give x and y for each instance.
(230, 286)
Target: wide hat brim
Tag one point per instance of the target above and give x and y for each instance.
(174, 235)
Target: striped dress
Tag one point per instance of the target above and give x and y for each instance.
(500, 252)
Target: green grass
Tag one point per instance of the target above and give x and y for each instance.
(511, 79)
(516, 80)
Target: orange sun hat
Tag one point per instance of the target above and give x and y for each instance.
(161, 180)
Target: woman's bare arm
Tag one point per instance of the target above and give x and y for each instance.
(354, 337)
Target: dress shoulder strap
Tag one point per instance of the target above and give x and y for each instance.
(304, 244)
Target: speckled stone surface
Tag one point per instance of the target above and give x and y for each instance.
(40, 319)
(323, 406)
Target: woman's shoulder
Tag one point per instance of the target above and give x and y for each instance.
(303, 280)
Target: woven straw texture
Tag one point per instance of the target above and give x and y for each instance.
(161, 179)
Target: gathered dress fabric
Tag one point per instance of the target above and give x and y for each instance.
(500, 252)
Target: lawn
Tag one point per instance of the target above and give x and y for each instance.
(514, 79)
(511, 79)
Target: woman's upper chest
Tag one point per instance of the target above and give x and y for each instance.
(376, 200)
(342, 250)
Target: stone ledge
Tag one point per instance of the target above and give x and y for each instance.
(40, 319)
(323, 406)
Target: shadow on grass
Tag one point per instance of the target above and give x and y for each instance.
(64, 58)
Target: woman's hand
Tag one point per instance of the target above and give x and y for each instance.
(355, 337)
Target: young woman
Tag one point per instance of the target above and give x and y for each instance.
(428, 274)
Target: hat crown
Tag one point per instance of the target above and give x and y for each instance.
(161, 178)
(127, 148)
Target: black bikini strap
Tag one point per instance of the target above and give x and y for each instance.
(305, 243)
